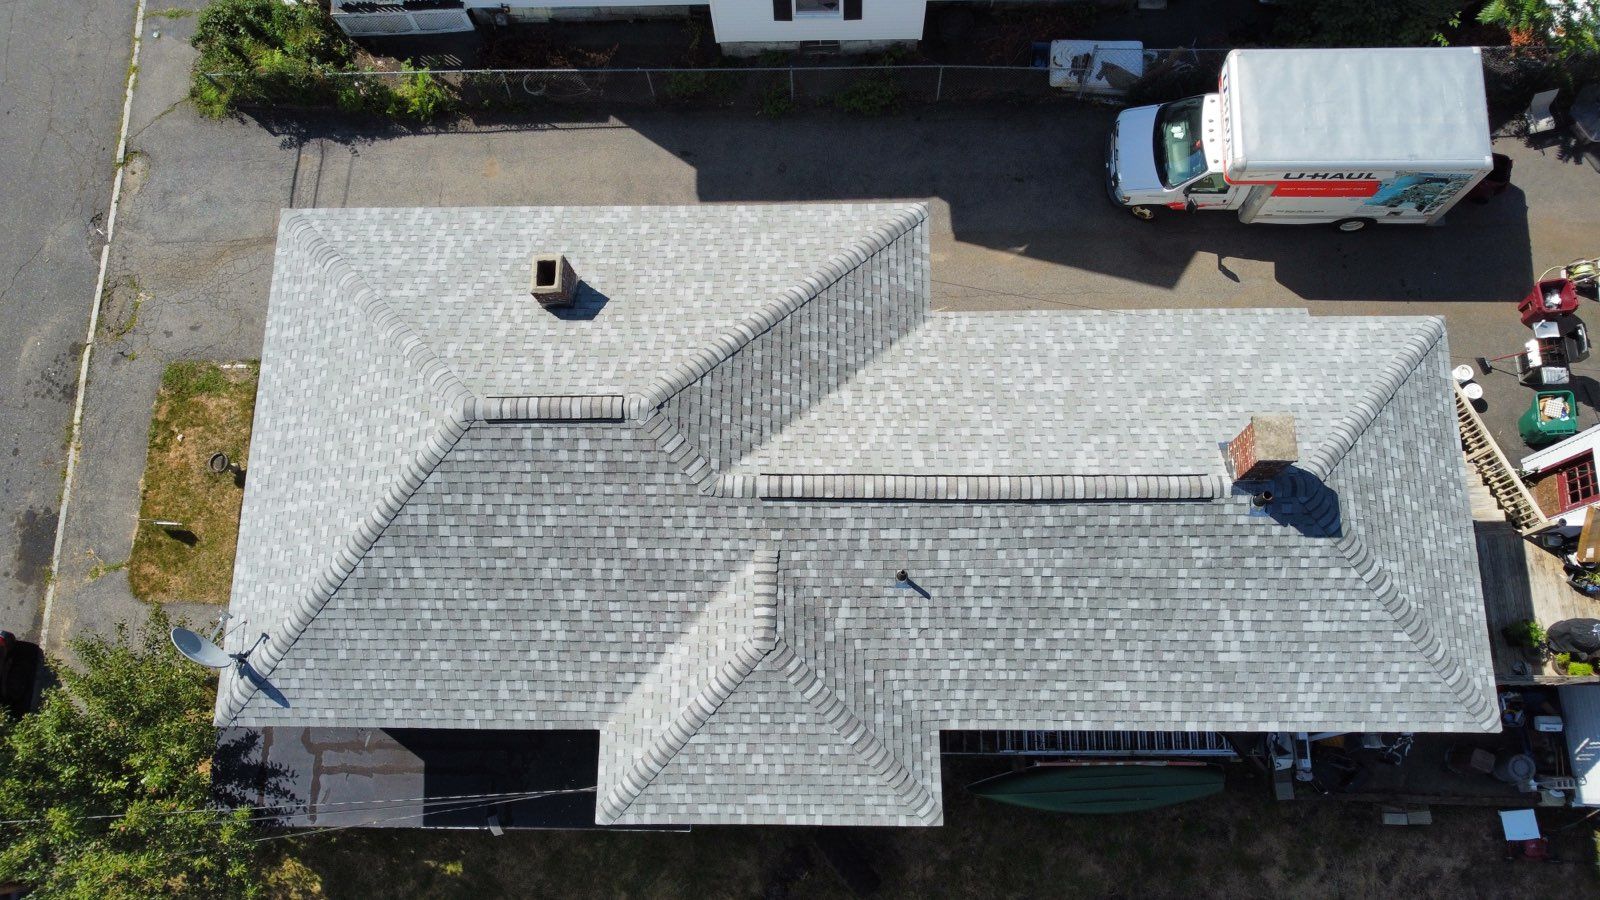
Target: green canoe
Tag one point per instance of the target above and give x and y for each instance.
(1101, 789)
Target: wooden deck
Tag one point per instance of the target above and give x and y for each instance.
(1520, 581)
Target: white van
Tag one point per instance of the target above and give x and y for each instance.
(1348, 137)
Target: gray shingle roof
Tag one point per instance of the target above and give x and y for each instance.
(693, 551)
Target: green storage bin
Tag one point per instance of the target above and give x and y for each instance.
(1536, 432)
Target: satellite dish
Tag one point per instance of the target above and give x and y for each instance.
(200, 650)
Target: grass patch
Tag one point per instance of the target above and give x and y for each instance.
(201, 409)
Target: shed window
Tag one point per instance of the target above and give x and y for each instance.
(788, 10)
(1579, 486)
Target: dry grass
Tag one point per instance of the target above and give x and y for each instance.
(201, 409)
(1240, 844)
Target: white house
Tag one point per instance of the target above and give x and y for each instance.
(742, 27)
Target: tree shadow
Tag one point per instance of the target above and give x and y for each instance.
(242, 776)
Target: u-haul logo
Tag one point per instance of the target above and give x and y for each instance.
(1330, 176)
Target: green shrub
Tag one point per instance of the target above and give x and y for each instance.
(1526, 633)
(1580, 670)
(870, 96)
(421, 97)
(270, 52)
(776, 102)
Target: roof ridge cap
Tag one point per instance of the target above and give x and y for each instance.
(457, 416)
(1416, 626)
(687, 722)
(1367, 407)
(868, 748)
(411, 476)
(391, 327)
(735, 337)
(973, 488)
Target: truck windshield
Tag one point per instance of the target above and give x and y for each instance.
(1180, 151)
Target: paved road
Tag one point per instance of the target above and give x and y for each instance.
(61, 74)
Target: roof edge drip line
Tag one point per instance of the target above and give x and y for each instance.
(673, 736)
(737, 336)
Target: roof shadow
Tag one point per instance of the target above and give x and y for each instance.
(1030, 180)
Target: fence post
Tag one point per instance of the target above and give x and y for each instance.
(938, 89)
(651, 83)
(506, 83)
(791, 84)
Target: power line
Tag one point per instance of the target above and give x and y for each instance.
(300, 834)
(371, 803)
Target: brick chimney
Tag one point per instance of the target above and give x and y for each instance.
(554, 283)
(1264, 448)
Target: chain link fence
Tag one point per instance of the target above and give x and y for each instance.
(1077, 70)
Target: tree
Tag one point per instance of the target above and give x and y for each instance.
(127, 737)
(1570, 27)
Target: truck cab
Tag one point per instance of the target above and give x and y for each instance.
(1170, 157)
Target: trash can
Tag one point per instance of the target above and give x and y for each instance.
(1549, 299)
(1495, 183)
(1553, 416)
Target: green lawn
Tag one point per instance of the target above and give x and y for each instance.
(201, 409)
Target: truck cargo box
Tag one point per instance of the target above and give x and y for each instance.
(1330, 114)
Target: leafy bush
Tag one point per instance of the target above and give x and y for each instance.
(1526, 633)
(776, 102)
(106, 790)
(873, 95)
(1580, 669)
(1367, 23)
(271, 52)
(699, 86)
(421, 97)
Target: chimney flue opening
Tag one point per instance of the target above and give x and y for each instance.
(553, 283)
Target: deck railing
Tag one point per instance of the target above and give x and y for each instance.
(1498, 475)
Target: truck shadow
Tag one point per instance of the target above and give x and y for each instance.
(1029, 181)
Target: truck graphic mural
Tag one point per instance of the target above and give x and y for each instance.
(1422, 191)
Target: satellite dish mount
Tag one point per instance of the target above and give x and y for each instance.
(205, 652)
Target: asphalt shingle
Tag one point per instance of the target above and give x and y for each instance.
(678, 522)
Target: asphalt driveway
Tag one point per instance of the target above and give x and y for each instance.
(1021, 221)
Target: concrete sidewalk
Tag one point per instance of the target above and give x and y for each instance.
(1021, 221)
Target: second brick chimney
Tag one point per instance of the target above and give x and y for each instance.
(1264, 448)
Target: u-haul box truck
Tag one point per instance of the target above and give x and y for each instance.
(1348, 137)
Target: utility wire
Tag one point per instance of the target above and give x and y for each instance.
(490, 798)
(300, 834)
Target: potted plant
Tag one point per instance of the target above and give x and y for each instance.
(1584, 581)
(1527, 634)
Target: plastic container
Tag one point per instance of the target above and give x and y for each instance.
(1538, 428)
(1549, 299)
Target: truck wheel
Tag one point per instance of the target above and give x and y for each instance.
(1144, 213)
(1352, 224)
